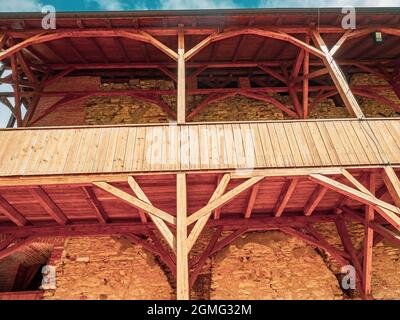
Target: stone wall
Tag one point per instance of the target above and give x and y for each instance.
(108, 268)
(271, 265)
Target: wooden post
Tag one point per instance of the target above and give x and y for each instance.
(368, 241)
(16, 88)
(182, 264)
(306, 70)
(338, 78)
(181, 99)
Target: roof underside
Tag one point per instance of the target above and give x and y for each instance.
(244, 48)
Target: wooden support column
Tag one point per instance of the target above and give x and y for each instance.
(182, 263)
(306, 70)
(338, 77)
(181, 99)
(368, 240)
(16, 88)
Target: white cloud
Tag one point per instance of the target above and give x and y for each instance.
(20, 6)
(327, 3)
(108, 5)
(199, 4)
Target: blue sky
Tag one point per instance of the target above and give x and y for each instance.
(109, 5)
(120, 5)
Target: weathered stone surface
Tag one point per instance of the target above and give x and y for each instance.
(108, 268)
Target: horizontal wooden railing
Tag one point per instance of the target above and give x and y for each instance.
(199, 146)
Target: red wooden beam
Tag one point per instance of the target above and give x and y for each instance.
(306, 70)
(340, 256)
(314, 200)
(286, 192)
(102, 215)
(251, 201)
(11, 213)
(16, 88)
(48, 204)
(368, 239)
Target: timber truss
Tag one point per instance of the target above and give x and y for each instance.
(301, 78)
(370, 196)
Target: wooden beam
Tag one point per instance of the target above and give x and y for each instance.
(160, 224)
(378, 228)
(11, 213)
(338, 77)
(181, 98)
(339, 43)
(182, 260)
(251, 201)
(340, 256)
(219, 202)
(48, 204)
(306, 70)
(101, 214)
(163, 253)
(200, 224)
(392, 184)
(388, 211)
(137, 203)
(16, 88)
(314, 200)
(368, 240)
(204, 256)
(286, 192)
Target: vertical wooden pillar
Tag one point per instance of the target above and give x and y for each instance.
(181, 99)
(368, 240)
(17, 96)
(338, 78)
(306, 70)
(182, 265)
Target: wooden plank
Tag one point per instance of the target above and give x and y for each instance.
(11, 213)
(229, 196)
(139, 204)
(182, 260)
(48, 204)
(286, 192)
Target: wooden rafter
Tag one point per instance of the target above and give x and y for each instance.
(286, 192)
(101, 214)
(11, 213)
(137, 203)
(220, 201)
(251, 201)
(388, 211)
(49, 205)
(314, 200)
(392, 184)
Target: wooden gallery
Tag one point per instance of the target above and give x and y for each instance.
(218, 154)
